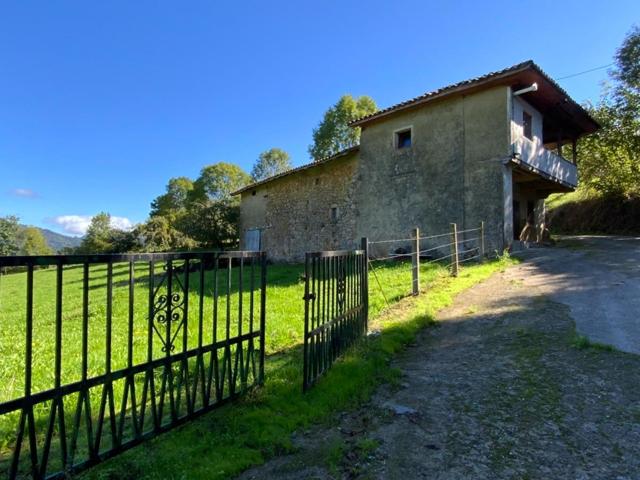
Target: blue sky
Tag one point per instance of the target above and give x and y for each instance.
(102, 102)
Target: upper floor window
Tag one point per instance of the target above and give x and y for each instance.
(527, 122)
(403, 138)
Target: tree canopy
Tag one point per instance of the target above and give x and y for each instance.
(98, 236)
(270, 163)
(610, 158)
(9, 235)
(174, 199)
(334, 134)
(33, 242)
(218, 181)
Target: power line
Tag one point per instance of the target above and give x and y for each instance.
(586, 71)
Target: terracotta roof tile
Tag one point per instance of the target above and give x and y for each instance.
(529, 64)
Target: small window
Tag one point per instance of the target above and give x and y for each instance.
(317, 181)
(403, 138)
(253, 193)
(334, 214)
(526, 125)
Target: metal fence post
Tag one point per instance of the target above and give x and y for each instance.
(263, 313)
(305, 355)
(482, 251)
(454, 249)
(415, 262)
(364, 245)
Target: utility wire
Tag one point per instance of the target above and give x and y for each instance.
(586, 71)
(375, 274)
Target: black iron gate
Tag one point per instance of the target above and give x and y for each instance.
(179, 335)
(336, 308)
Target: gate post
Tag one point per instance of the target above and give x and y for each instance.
(364, 280)
(454, 249)
(305, 358)
(263, 312)
(415, 262)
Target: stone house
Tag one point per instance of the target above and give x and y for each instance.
(489, 149)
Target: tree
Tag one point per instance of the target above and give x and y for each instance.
(123, 241)
(174, 200)
(158, 235)
(627, 65)
(334, 134)
(270, 163)
(217, 182)
(9, 235)
(98, 238)
(33, 242)
(610, 159)
(214, 224)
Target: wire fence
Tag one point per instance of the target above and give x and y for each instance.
(418, 259)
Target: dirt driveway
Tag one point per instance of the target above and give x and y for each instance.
(599, 279)
(502, 387)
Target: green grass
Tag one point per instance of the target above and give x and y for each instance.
(247, 432)
(581, 342)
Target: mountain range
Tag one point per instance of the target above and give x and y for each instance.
(58, 241)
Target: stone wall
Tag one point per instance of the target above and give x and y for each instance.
(453, 171)
(294, 212)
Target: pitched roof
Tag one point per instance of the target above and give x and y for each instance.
(307, 166)
(525, 71)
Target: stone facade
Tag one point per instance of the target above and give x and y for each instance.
(310, 210)
(451, 173)
(460, 166)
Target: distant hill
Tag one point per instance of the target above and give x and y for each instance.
(57, 241)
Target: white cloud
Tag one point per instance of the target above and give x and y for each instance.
(78, 224)
(24, 192)
(121, 223)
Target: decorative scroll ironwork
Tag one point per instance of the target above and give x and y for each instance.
(168, 305)
(336, 308)
(195, 358)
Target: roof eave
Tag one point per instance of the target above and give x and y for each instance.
(301, 168)
(473, 86)
(445, 93)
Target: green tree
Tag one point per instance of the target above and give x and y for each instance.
(159, 235)
(217, 182)
(98, 238)
(33, 242)
(174, 200)
(627, 66)
(609, 160)
(334, 134)
(9, 235)
(270, 163)
(123, 241)
(214, 224)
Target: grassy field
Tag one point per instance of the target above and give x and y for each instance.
(267, 411)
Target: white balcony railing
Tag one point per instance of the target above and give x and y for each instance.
(546, 162)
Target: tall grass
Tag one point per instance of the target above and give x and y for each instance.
(284, 323)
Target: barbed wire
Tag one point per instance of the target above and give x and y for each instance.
(468, 230)
(469, 259)
(395, 255)
(391, 241)
(434, 236)
(437, 247)
(469, 240)
(375, 274)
